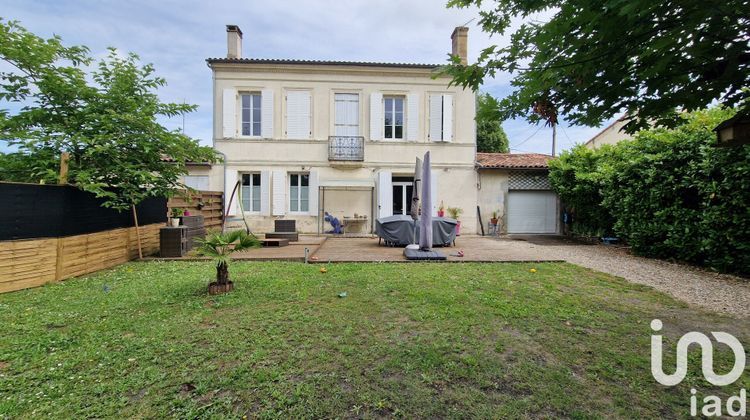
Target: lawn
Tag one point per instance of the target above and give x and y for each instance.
(411, 340)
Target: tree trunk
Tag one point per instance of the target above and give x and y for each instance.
(222, 273)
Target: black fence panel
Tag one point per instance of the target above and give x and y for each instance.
(42, 211)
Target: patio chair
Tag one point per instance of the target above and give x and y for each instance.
(284, 229)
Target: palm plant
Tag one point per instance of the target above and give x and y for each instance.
(220, 246)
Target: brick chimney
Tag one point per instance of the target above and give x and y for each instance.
(234, 41)
(460, 38)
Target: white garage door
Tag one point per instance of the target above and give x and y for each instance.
(532, 212)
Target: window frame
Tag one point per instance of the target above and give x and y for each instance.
(299, 186)
(252, 185)
(252, 95)
(393, 111)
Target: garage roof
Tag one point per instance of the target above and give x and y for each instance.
(513, 160)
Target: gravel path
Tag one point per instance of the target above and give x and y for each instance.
(717, 292)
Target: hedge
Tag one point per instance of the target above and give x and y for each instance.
(668, 192)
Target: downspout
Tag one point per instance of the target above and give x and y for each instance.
(224, 183)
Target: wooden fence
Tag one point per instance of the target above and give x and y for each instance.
(206, 203)
(33, 262)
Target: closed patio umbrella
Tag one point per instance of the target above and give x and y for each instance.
(425, 220)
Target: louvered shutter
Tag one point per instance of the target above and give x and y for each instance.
(298, 115)
(230, 180)
(265, 199)
(266, 114)
(385, 194)
(436, 118)
(279, 193)
(447, 117)
(313, 193)
(229, 113)
(412, 116)
(376, 116)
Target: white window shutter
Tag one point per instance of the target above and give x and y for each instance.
(313, 193)
(376, 116)
(298, 115)
(279, 193)
(447, 117)
(265, 203)
(412, 116)
(230, 180)
(436, 118)
(434, 191)
(385, 194)
(229, 114)
(266, 114)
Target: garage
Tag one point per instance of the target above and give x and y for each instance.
(532, 212)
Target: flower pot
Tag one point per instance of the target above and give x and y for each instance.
(458, 228)
(215, 288)
(441, 213)
(493, 221)
(175, 222)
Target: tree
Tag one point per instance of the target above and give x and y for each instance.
(107, 119)
(491, 137)
(591, 60)
(220, 246)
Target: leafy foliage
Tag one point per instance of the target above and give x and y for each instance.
(109, 126)
(669, 192)
(589, 60)
(577, 178)
(221, 245)
(491, 137)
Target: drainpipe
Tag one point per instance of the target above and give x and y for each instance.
(224, 188)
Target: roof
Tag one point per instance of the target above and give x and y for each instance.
(622, 118)
(742, 117)
(513, 160)
(319, 63)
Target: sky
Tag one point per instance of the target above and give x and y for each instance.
(177, 37)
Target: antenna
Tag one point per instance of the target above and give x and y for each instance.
(470, 20)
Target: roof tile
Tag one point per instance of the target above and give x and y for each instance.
(513, 160)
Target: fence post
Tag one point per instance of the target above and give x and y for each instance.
(59, 260)
(137, 233)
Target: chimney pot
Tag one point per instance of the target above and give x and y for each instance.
(234, 41)
(460, 38)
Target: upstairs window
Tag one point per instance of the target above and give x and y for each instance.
(251, 114)
(393, 111)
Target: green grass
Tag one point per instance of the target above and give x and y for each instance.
(411, 340)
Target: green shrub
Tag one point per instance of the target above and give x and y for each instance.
(669, 193)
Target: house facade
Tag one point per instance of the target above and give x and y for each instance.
(305, 138)
(611, 134)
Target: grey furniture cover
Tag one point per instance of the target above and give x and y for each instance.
(398, 230)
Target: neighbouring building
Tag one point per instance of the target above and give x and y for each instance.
(305, 137)
(611, 134)
(517, 187)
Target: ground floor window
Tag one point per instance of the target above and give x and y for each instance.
(402, 191)
(299, 193)
(250, 193)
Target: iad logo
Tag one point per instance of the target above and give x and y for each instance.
(712, 404)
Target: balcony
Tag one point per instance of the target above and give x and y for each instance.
(346, 148)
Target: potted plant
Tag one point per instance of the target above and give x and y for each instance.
(220, 246)
(441, 210)
(454, 213)
(177, 212)
(493, 219)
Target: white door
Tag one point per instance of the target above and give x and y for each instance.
(346, 122)
(532, 212)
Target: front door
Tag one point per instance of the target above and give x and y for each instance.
(402, 191)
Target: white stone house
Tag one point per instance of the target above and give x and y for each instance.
(306, 137)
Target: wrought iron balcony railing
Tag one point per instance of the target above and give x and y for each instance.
(346, 148)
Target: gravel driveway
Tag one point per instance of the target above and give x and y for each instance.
(717, 292)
